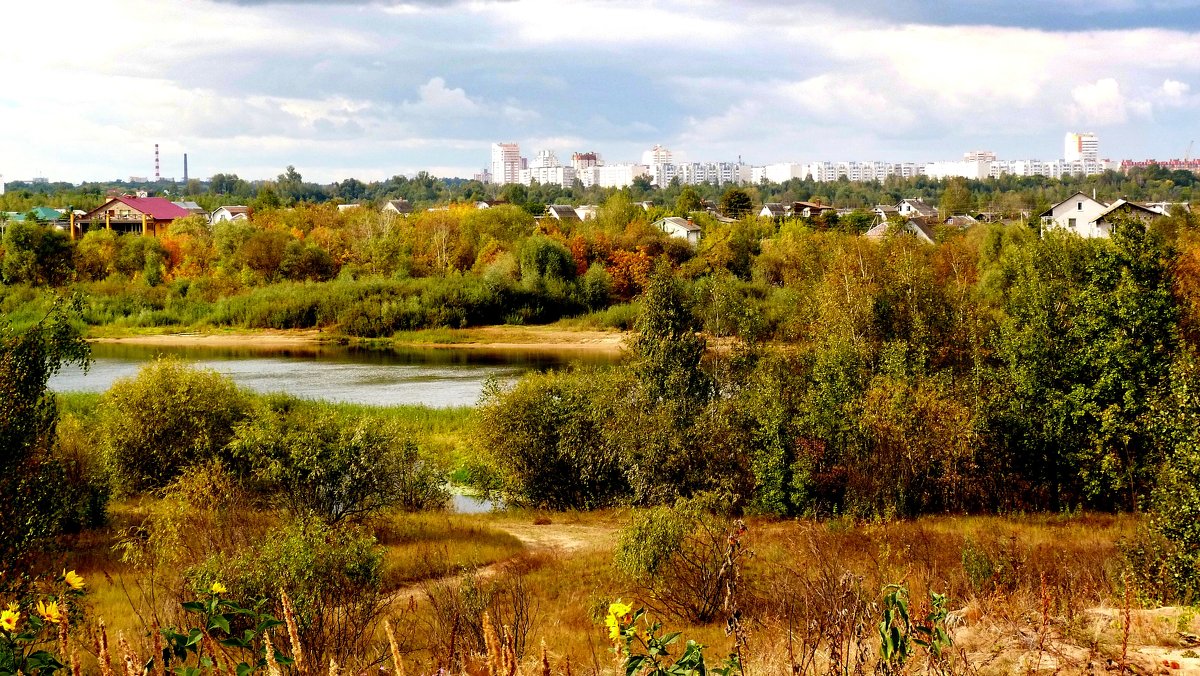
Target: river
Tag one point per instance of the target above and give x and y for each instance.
(435, 377)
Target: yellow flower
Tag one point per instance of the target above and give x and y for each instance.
(617, 612)
(49, 611)
(73, 580)
(9, 619)
(618, 609)
(218, 588)
(614, 629)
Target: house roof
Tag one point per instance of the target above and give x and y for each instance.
(878, 231)
(190, 206)
(924, 228)
(775, 208)
(1077, 193)
(47, 213)
(800, 206)
(678, 222)
(919, 205)
(1122, 204)
(563, 212)
(234, 209)
(916, 226)
(158, 208)
(400, 205)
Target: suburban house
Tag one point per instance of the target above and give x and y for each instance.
(810, 209)
(192, 208)
(348, 207)
(398, 207)
(682, 228)
(915, 207)
(142, 215)
(230, 213)
(964, 221)
(48, 215)
(563, 212)
(1104, 221)
(586, 212)
(773, 210)
(913, 226)
(1088, 217)
(884, 212)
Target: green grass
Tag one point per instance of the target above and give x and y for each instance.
(428, 545)
(443, 432)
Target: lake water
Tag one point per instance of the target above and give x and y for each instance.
(436, 377)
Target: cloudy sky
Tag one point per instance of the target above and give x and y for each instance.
(374, 88)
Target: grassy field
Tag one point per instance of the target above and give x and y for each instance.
(1026, 594)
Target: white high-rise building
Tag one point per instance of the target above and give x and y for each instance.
(657, 155)
(979, 156)
(545, 158)
(507, 163)
(1081, 146)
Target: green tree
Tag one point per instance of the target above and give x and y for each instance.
(689, 200)
(31, 482)
(956, 198)
(35, 254)
(736, 203)
(666, 350)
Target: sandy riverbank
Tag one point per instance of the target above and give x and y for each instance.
(485, 337)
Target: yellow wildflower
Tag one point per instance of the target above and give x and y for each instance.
(9, 619)
(218, 588)
(50, 611)
(617, 612)
(74, 580)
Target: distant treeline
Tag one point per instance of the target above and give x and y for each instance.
(1009, 195)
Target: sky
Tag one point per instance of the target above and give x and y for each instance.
(376, 88)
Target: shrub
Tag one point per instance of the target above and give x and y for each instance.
(317, 461)
(684, 555)
(164, 419)
(547, 439)
(333, 575)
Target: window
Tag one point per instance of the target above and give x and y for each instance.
(1079, 206)
(1070, 222)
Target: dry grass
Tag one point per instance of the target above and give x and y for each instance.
(1037, 594)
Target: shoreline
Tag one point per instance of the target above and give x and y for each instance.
(527, 338)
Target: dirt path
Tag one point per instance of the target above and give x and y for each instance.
(554, 539)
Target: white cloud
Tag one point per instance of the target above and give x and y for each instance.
(1174, 91)
(575, 23)
(1098, 103)
(436, 98)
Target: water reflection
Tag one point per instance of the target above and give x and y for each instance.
(436, 377)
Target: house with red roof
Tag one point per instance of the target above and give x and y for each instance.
(141, 215)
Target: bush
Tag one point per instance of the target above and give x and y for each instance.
(317, 461)
(684, 555)
(547, 438)
(168, 417)
(333, 575)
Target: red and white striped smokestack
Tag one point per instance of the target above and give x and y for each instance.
(157, 177)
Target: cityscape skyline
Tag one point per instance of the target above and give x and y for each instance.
(400, 86)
